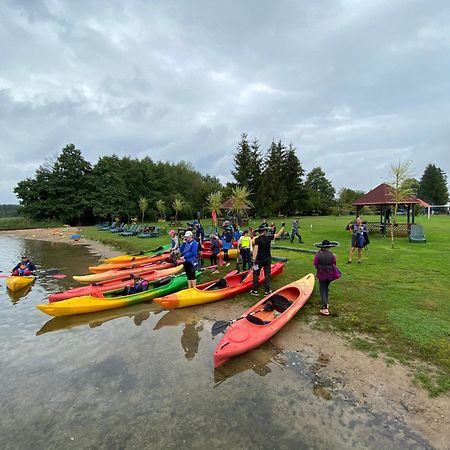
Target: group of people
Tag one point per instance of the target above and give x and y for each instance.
(24, 267)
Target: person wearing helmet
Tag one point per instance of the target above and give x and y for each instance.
(189, 249)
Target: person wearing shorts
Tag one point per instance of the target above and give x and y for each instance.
(188, 250)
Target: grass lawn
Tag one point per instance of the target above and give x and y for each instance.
(394, 303)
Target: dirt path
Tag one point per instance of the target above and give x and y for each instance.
(373, 383)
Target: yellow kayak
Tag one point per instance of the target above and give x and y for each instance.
(17, 283)
(125, 258)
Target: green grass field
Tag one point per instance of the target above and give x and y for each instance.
(395, 303)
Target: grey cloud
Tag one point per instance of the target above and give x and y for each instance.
(355, 86)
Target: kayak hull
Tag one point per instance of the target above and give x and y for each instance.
(205, 293)
(16, 283)
(137, 262)
(112, 285)
(125, 258)
(116, 273)
(244, 335)
(90, 303)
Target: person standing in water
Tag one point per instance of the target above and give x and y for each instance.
(325, 263)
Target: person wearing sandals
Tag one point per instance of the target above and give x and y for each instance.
(325, 263)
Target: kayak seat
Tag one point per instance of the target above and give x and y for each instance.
(244, 276)
(221, 284)
(277, 302)
(162, 282)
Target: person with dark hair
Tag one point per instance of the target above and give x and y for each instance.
(262, 257)
(296, 231)
(325, 263)
(245, 250)
(139, 285)
(227, 243)
(215, 250)
(359, 236)
(24, 267)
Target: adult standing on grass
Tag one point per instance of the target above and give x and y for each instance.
(174, 247)
(227, 243)
(359, 230)
(296, 231)
(325, 263)
(262, 257)
(188, 250)
(245, 250)
(215, 250)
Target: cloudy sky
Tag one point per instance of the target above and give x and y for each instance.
(354, 85)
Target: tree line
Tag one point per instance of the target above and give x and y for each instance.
(266, 183)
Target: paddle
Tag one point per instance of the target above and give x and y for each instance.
(158, 249)
(222, 325)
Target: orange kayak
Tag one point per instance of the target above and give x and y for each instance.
(119, 273)
(259, 323)
(128, 264)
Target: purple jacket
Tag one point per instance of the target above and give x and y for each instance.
(325, 265)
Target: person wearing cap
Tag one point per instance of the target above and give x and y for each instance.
(189, 251)
(263, 258)
(25, 266)
(174, 246)
(325, 263)
(139, 285)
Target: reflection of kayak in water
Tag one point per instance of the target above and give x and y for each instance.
(96, 319)
(16, 283)
(15, 296)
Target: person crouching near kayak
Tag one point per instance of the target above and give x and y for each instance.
(189, 249)
(24, 267)
(325, 263)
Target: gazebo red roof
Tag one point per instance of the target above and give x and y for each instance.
(383, 195)
(229, 204)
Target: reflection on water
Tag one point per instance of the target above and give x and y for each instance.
(15, 296)
(139, 313)
(128, 378)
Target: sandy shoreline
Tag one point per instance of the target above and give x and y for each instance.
(372, 382)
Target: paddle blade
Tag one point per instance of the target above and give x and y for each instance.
(219, 327)
(59, 276)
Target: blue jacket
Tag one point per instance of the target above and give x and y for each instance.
(189, 251)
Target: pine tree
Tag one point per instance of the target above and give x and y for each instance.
(320, 192)
(242, 158)
(433, 186)
(293, 173)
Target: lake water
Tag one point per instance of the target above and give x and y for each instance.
(140, 377)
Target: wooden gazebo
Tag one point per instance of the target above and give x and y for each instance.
(383, 197)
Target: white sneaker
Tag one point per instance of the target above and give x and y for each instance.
(227, 264)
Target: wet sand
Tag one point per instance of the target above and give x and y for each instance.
(373, 383)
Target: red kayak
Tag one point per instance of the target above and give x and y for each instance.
(113, 285)
(260, 322)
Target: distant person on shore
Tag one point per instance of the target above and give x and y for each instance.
(215, 250)
(24, 267)
(189, 252)
(227, 243)
(359, 233)
(325, 263)
(245, 250)
(174, 247)
(262, 258)
(296, 231)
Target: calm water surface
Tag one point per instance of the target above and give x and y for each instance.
(140, 377)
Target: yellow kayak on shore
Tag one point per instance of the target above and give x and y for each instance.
(16, 283)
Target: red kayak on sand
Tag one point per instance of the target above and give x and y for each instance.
(260, 322)
(112, 285)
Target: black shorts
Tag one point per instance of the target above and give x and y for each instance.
(189, 269)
